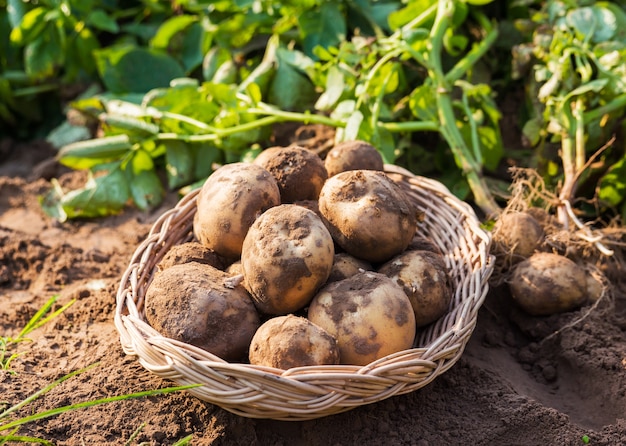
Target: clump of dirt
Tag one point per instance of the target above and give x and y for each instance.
(521, 381)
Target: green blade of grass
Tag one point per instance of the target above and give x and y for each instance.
(46, 389)
(38, 319)
(85, 404)
(24, 439)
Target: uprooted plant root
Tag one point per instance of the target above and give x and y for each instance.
(590, 245)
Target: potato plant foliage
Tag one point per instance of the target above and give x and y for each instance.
(180, 86)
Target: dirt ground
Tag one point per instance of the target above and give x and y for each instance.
(514, 385)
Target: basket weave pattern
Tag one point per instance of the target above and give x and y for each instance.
(314, 391)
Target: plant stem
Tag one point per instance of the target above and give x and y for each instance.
(477, 51)
(462, 155)
(410, 126)
(568, 156)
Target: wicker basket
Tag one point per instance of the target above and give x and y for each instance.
(315, 391)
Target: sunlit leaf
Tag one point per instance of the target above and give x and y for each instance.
(44, 55)
(178, 164)
(612, 186)
(105, 193)
(170, 28)
(146, 189)
(132, 69)
(333, 91)
(323, 27)
(423, 103)
(30, 27)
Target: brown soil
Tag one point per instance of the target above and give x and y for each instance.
(515, 384)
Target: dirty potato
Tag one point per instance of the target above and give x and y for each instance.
(548, 283)
(300, 173)
(291, 341)
(286, 257)
(423, 276)
(230, 200)
(352, 155)
(367, 214)
(369, 315)
(345, 266)
(518, 233)
(195, 303)
(191, 252)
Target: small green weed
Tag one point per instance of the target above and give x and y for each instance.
(43, 316)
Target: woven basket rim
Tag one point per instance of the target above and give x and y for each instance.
(313, 391)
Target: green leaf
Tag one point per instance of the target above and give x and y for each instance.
(532, 131)
(491, 147)
(192, 51)
(44, 55)
(334, 89)
(599, 24)
(423, 103)
(592, 86)
(105, 193)
(290, 89)
(87, 154)
(178, 164)
(324, 27)
(31, 26)
(84, 46)
(170, 28)
(612, 186)
(204, 155)
(130, 69)
(351, 131)
(101, 20)
(146, 189)
(16, 10)
(413, 9)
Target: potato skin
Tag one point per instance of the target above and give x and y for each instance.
(548, 283)
(190, 303)
(191, 252)
(345, 266)
(518, 233)
(286, 257)
(300, 173)
(352, 155)
(291, 341)
(230, 200)
(423, 276)
(368, 314)
(367, 214)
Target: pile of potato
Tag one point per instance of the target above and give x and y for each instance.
(299, 261)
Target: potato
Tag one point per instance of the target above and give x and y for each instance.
(191, 252)
(369, 315)
(300, 173)
(423, 276)
(518, 233)
(367, 214)
(286, 257)
(345, 266)
(194, 303)
(352, 155)
(548, 283)
(230, 200)
(291, 341)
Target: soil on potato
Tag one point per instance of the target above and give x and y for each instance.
(509, 387)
